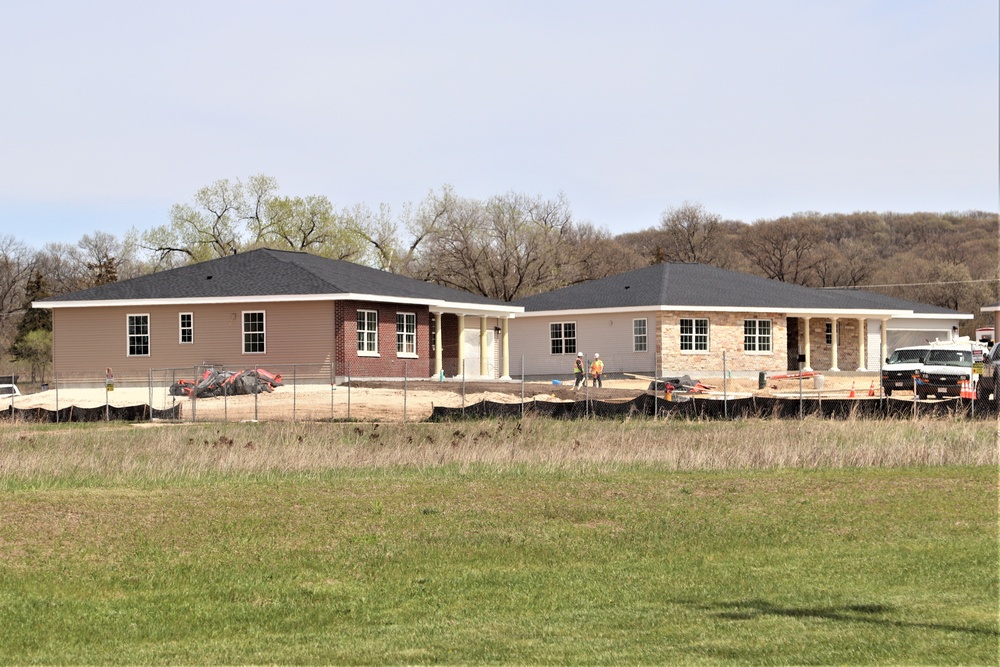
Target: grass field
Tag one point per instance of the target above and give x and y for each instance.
(540, 542)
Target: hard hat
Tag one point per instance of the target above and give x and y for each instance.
(579, 354)
(596, 355)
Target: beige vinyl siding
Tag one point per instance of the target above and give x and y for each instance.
(608, 334)
(88, 340)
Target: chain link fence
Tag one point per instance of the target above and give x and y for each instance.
(407, 392)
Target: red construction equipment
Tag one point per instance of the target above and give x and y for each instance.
(871, 389)
(852, 394)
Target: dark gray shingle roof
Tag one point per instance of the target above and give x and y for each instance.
(699, 285)
(267, 272)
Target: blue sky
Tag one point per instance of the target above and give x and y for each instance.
(113, 111)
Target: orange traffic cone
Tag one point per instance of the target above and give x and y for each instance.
(967, 389)
(852, 394)
(871, 389)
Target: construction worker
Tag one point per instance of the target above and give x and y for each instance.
(578, 372)
(597, 370)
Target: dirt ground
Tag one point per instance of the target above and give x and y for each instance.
(383, 400)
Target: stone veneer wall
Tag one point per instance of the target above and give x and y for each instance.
(725, 332)
(821, 353)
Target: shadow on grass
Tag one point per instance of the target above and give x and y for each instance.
(745, 610)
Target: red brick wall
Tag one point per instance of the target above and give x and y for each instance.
(449, 344)
(388, 363)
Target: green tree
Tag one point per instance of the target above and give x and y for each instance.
(230, 217)
(36, 349)
(224, 219)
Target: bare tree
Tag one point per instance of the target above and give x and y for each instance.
(786, 249)
(16, 264)
(506, 247)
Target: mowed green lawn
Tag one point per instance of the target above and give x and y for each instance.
(487, 563)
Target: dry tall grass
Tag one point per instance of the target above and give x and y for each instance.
(174, 452)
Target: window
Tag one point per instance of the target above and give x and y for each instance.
(367, 332)
(563, 337)
(757, 335)
(138, 335)
(253, 332)
(829, 332)
(187, 327)
(406, 334)
(639, 335)
(694, 335)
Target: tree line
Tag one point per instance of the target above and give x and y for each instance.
(509, 246)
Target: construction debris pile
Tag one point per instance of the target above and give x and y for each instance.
(684, 383)
(227, 383)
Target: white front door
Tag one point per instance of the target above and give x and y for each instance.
(874, 345)
(472, 353)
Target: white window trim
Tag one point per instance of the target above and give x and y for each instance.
(128, 336)
(645, 326)
(759, 353)
(829, 334)
(694, 335)
(406, 355)
(180, 329)
(367, 353)
(243, 336)
(575, 339)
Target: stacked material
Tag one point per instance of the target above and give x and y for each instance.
(227, 383)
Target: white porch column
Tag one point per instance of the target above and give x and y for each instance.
(808, 364)
(862, 357)
(836, 344)
(484, 366)
(883, 353)
(461, 344)
(438, 365)
(505, 349)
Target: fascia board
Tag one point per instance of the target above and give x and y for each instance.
(444, 306)
(813, 312)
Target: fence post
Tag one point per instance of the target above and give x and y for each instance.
(294, 393)
(333, 386)
(348, 391)
(522, 386)
(972, 378)
(801, 406)
(55, 377)
(150, 394)
(194, 408)
(107, 409)
(404, 391)
(225, 399)
(725, 393)
(463, 387)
